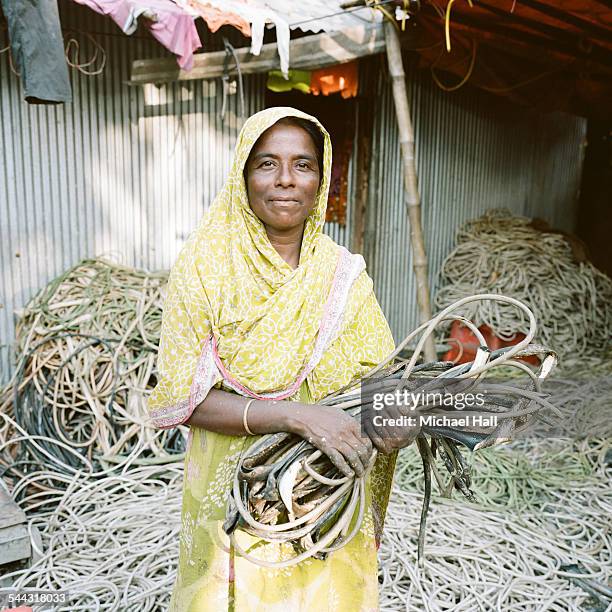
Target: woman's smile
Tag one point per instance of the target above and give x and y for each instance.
(284, 203)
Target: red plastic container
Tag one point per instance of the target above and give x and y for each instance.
(464, 344)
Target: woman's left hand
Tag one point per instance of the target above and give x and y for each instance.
(335, 433)
(388, 437)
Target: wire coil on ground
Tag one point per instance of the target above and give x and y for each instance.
(510, 255)
(87, 346)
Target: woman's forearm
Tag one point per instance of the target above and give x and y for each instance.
(328, 428)
(222, 412)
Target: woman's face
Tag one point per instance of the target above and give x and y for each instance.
(283, 177)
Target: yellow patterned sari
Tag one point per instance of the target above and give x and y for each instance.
(238, 317)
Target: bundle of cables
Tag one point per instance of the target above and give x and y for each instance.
(285, 490)
(87, 346)
(546, 269)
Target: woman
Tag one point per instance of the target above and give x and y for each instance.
(265, 316)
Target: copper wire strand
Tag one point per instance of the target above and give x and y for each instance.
(72, 52)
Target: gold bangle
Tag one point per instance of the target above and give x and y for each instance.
(244, 417)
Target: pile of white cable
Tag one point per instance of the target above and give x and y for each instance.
(111, 543)
(109, 531)
(504, 254)
(538, 537)
(87, 348)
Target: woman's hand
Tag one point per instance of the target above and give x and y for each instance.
(334, 433)
(389, 437)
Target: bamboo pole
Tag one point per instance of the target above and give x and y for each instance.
(411, 195)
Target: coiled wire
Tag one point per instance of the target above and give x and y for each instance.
(88, 345)
(505, 254)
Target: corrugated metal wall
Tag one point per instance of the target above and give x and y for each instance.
(123, 171)
(128, 171)
(474, 152)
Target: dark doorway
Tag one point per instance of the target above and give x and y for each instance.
(594, 219)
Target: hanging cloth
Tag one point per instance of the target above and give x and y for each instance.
(172, 26)
(37, 46)
(298, 79)
(257, 17)
(215, 17)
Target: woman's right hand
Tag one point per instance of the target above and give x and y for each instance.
(335, 433)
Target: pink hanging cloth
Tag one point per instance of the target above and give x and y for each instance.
(216, 17)
(167, 22)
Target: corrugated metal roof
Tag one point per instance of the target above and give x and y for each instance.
(312, 16)
(251, 17)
